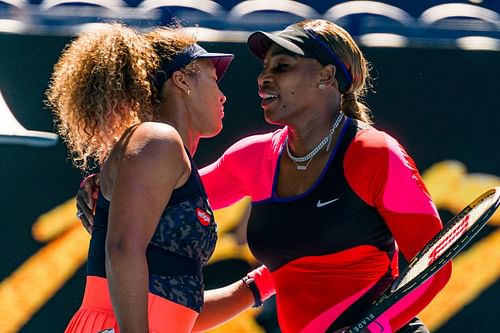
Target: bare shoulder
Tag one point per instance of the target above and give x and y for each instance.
(152, 140)
(153, 148)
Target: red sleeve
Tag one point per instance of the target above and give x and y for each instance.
(222, 189)
(245, 169)
(381, 172)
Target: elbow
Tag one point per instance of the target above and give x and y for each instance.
(119, 252)
(116, 254)
(114, 251)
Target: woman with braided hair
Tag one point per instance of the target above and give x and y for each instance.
(333, 198)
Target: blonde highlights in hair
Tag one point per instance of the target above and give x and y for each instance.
(100, 87)
(344, 46)
(103, 84)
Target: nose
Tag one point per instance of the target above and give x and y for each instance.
(222, 98)
(264, 78)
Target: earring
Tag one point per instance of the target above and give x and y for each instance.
(189, 92)
(322, 86)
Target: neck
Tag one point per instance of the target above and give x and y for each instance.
(302, 162)
(191, 142)
(304, 138)
(176, 116)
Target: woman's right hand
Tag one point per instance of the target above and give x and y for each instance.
(86, 200)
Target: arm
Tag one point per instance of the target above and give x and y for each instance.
(413, 222)
(245, 169)
(384, 176)
(224, 303)
(222, 188)
(152, 164)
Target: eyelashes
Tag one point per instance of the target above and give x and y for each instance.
(281, 67)
(277, 67)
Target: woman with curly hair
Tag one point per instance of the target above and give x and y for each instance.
(137, 106)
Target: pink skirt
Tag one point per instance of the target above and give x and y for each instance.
(96, 312)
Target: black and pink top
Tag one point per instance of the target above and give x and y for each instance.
(333, 249)
(182, 243)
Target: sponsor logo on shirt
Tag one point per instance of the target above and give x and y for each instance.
(203, 217)
(320, 204)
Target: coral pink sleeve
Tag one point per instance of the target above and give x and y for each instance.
(381, 172)
(222, 189)
(245, 169)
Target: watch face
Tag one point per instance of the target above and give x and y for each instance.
(248, 280)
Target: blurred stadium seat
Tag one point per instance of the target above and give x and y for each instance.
(458, 21)
(363, 17)
(461, 17)
(269, 15)
(437, 23)
(12, 3)
(73, 16)
(10, 8)
(11, 16)
(205, 13)
(71, 5)
(228, 4)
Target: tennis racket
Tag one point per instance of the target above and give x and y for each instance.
(440, 249)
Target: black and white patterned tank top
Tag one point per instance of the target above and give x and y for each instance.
(182, 243)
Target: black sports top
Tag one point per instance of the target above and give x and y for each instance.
(183, 241)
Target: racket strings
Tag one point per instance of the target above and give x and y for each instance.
(456, 228)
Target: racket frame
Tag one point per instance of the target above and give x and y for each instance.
(392, 294)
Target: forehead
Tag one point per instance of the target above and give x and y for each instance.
(276, 50)
(205, 62)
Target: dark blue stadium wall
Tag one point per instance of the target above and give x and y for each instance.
(441, 104)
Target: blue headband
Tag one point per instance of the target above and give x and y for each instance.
(220, 60)
(344, 79)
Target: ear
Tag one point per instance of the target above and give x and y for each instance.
(327, 77)
(179, 79)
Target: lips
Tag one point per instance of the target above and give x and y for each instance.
(267, 97)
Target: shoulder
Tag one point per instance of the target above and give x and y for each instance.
(373, 161)
(151, 138)
(152, 148)
(373, 151)
(155, 132)
(368, 137)
(370, 142)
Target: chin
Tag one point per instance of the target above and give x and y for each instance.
(271, 120)
(213, 132)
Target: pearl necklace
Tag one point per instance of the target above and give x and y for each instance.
(308, 158)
